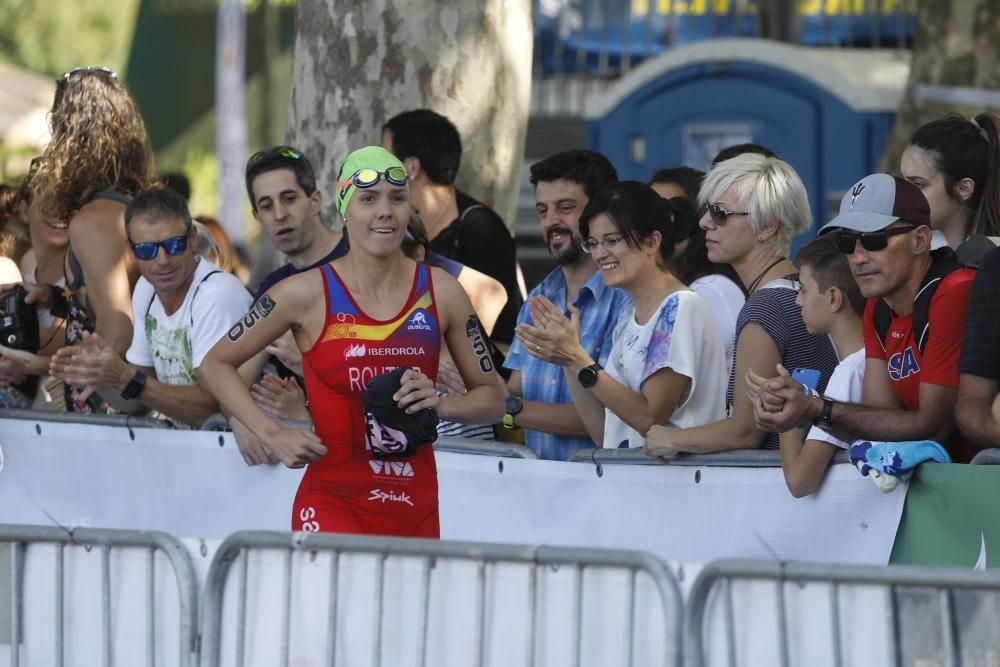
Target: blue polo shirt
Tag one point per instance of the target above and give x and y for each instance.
(599, 307)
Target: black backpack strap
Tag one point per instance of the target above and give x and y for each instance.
(943, 262)
(882, 318)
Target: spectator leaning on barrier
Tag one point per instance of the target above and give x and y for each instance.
(753, 206)
(978, 408)
(832, 305)
(667, 363)
(913, 326)
(98, 158)
(42, 268)
(281, 185)
(458, 226)
(539, 398)
(182, 305)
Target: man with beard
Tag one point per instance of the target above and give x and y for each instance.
(539, 398)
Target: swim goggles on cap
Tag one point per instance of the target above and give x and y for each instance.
(367, 177)
(274, 151)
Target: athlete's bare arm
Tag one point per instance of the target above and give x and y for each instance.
(298, 303)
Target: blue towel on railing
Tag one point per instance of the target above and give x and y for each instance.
(889, 463)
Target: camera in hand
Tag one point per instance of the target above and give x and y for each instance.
(18, 321)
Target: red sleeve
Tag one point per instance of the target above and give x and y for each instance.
(939, 363)
(873, 346)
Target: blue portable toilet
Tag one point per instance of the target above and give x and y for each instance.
(827, 112)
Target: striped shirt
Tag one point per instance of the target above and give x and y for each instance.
(773, 308)
(599, 307)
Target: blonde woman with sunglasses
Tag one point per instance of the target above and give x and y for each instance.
(753, 206)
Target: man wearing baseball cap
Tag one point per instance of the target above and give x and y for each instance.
(911, 376)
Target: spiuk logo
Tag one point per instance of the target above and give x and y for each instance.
(380, 496)
(418, 322)
(856, 192)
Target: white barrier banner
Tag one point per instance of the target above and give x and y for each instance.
(195, 484)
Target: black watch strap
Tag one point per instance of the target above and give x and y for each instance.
(134, 386)
(825, 419)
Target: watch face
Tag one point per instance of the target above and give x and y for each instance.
(587, 376)
(512, 405)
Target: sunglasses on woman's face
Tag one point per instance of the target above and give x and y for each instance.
(719, 214)
(148, 250)
(870, 241)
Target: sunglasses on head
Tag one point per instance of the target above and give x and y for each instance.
(89, 70)
(274, 151)
(870, 241)
(367, 177)
(148, 250)
(719, 214)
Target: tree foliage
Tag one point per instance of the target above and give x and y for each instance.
(956, 44)
(52, 37)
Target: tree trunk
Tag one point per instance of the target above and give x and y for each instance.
(359, 64)
(957, 44)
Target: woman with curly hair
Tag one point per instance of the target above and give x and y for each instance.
(99, 157)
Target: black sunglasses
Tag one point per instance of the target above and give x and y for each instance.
(870, 241)
(274, 151)
(718, 213)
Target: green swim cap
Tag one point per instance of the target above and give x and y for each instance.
(369, 157)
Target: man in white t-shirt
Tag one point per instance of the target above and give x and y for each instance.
(181, 306)
(831, 304)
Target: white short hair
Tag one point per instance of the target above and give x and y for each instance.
(770, 190)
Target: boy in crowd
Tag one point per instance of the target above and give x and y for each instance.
(831, 304)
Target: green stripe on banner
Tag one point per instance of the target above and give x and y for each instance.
(951, 518)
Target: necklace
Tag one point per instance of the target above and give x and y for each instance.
(763, 273)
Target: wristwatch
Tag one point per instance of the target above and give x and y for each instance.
(825, 419)
(588, 375)
(512, 406)
(134, 386)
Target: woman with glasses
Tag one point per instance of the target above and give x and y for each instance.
(98, 158)
(357, 318)
(955, 162)
(753, 206)
(667, 364)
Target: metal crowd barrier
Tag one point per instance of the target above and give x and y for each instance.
(508, 450)
(945, 582)
(129, 421)
(734, 458)
(429, 552)
(20, 537)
